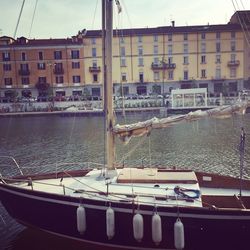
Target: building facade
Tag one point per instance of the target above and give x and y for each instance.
(145, 61)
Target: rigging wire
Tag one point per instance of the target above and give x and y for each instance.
(241, 24)
(94, 17)
(18, 21)
(136, 146)
(243, 19)
(33, 16)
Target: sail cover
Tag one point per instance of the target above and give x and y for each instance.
(126, 132)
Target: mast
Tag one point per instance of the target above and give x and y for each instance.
(107, 29)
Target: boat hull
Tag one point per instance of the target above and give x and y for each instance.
(57, 214)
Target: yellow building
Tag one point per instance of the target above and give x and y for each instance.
(146, 61)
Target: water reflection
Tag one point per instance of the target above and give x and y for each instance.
(206, 145)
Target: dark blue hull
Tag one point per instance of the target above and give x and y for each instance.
(56, 214)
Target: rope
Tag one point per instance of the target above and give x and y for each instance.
(132, 150)
(33, 18)
(93, 21)
(241, 24)
(18, 19)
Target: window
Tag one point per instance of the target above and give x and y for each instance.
(185, 37)
(140, 50)
(155, 38)
(156, 76)
(233, 34)
(8, 81)
(203, 73)
(58, 55)
(59, 79)
(125, 90)
(94, 63)
(75, 54)
(93, 52)
(123, 61)
(155, 49)
(139, 39)
(41, 66)
(76, 79)
(23, 56)
(25, 80)
(6, 56)
(203, 59)
(170, 75)
(124, 77)
(24, 67)
(122, 40)
(218, 73)
(170, 37)
(96, 92)
(217, 35)
(123, 51)
(40, 55)
(95, 77)
(42, 79)
(185, 59)
(203, 85)
(233, 72)
(218, 59)
(233, 46)
(185, 48)
(233, 57)
(233, 87)
(75, 65)
(203, 47)
(140, 61)
(218, 87)
(141, 90)
(156, 60)
(93, 40)
(203, 36)
(185, 75)
(7, 67)
(170, 59)
(218, 47)
(141, 76)
(59, 68)
(170, 49)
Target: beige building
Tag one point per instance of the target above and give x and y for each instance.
(146, 61)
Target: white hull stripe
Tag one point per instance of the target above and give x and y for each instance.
(125, 210)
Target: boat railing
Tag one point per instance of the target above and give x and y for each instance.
(7, 170)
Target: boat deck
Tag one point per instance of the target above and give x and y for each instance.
(143, 186)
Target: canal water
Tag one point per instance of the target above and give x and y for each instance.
(45, 142)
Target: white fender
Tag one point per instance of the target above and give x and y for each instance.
(156, 229)
(138, 227)
(110, 223)
(179, 240)
(81, 219)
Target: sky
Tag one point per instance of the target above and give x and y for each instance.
(64, 18)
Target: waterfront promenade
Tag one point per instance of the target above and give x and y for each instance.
(82, 108)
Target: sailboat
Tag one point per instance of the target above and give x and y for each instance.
(134, 207)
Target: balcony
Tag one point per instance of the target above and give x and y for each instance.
(235, 63)
(187, 79)
(24, 72)
(158, 66)
(218, 78)
(59, 71)
(95, 69)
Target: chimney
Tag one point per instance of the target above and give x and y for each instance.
(173, 23)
